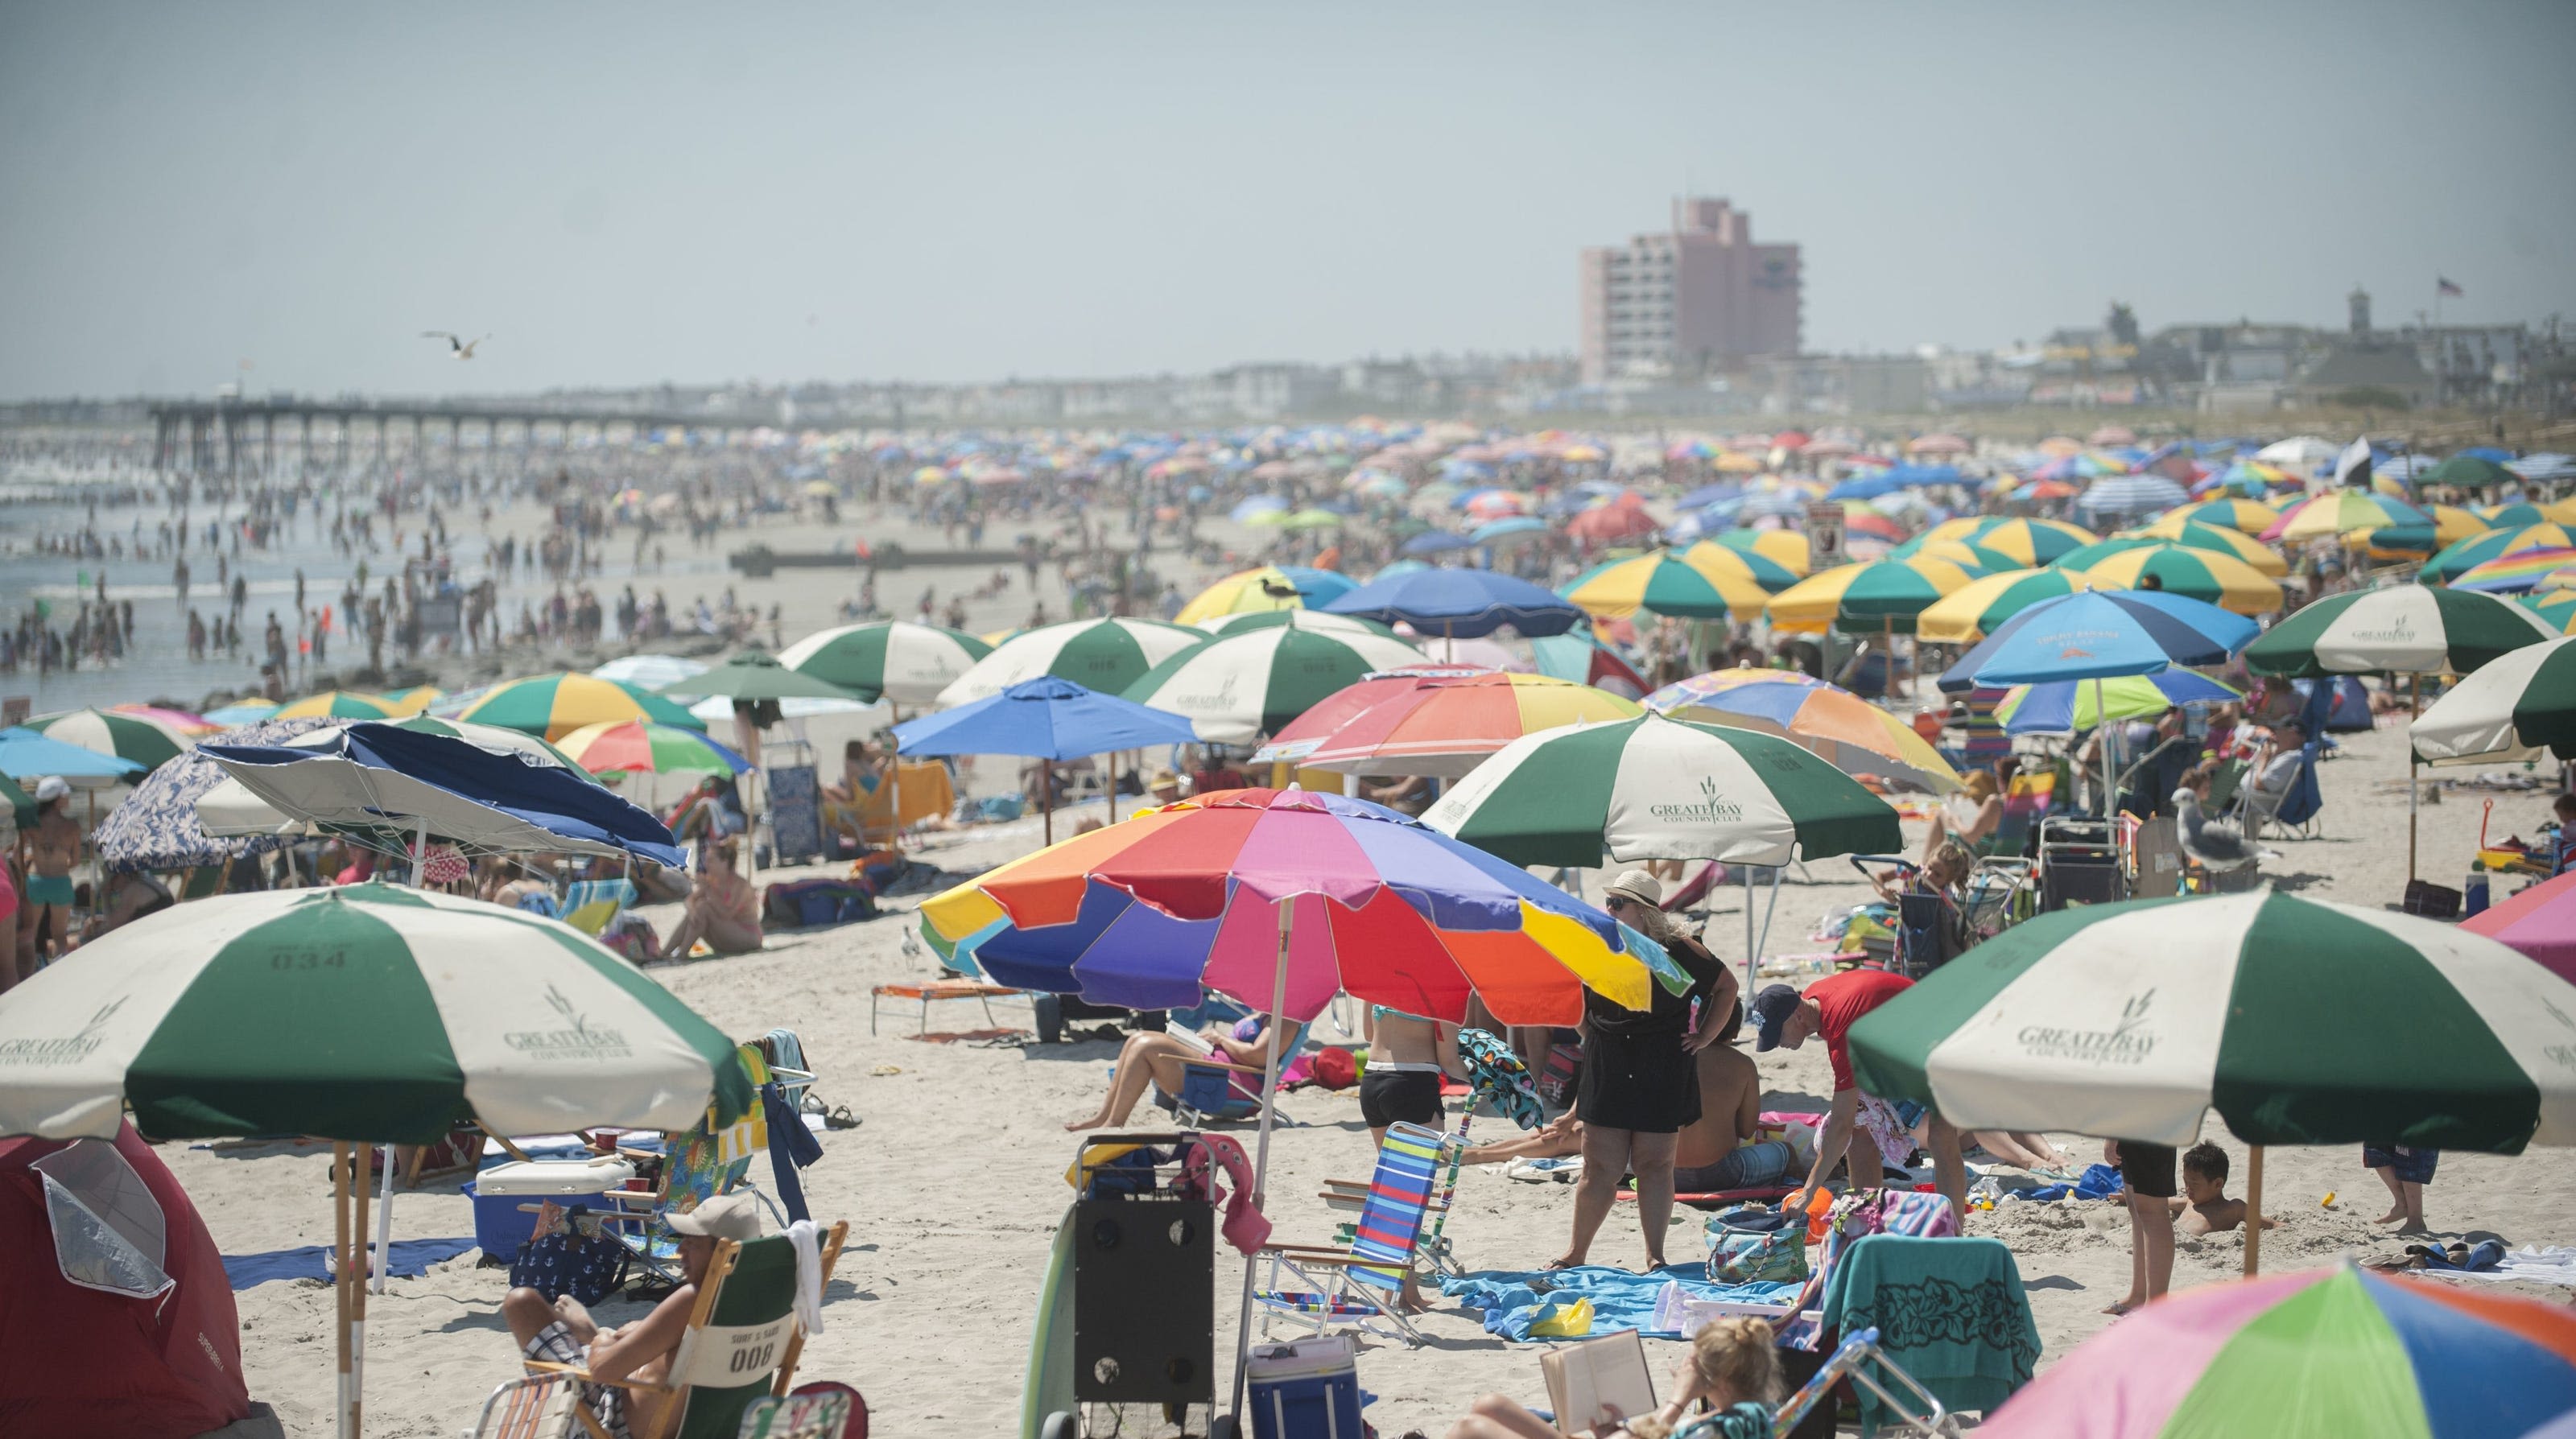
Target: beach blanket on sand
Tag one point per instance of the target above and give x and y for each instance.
(410, 1259)
(2555, 1264)
(1621, 1299)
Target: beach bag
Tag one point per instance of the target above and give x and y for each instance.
(1754, 1245)
(589, 1267)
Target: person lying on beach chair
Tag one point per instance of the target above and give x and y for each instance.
(1163, 1061)
(1974, 814)
(2275, 779)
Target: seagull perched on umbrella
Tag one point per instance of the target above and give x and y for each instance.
(457, 347)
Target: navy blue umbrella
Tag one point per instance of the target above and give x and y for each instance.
(1045, 718)
(1461, 604)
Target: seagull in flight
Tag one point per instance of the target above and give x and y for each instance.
(457, 347)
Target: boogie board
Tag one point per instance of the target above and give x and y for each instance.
(1050, 1382)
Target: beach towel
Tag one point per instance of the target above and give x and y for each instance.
(409, 1259)
(1513, 1302)
(2098, 1181)
(792, 1146)
(2553, 1264)
(1951, 1312)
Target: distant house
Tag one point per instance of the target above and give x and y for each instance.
(2351, 366)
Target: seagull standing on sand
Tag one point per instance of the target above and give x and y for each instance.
(457, 348)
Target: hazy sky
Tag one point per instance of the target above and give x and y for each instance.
(625, 194)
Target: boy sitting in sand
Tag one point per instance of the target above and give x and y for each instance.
(2203, 1206)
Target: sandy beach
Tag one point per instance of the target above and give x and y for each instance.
(953, 1183)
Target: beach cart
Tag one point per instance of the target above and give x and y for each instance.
(2080, 862)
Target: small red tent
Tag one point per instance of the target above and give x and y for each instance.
(99, 1363)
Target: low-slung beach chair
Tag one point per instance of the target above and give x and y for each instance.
(815, 1412)
(1859, 1360)
(742, 1341)
(1500, 1079)
(1362, 1282)
(927, 992)
(533, 1406)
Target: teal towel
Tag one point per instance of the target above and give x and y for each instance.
(1950, 1312)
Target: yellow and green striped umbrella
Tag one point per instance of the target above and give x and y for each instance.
(2031, 543)
(1243, 592)
(2556, 606)
(1862, 599)
(1786, 548)
(2222, 539)
(1971, 612)
(555, 705)
(1670, 584)
(2333, 514)
(1968, 555)
(2252, 517)
(341, 704)
(415, 700)
(2221, 580)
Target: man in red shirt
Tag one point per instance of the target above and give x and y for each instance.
(1863, 1125)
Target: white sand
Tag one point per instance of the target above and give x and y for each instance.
(952, 1186)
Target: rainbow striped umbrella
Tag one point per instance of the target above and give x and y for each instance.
(2476, 550)
(2221, 580)
(2217, 539)
(1437, 724)
(2335, 1353)
(1882, 596)
(2251, 517)
(1849, 732)
(1971, 612)
(340, 704)
(552, 706)
(2341, 511)
(1669, 584)
(2031, 543)
(2514, 573)
(640, 747)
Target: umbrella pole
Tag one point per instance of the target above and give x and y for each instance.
(420, 855)
(357, 1289)
(1751, 945)
(385, 1223)
(1046, 800)
(340, 1281)
(1261, 1148)
(894, 778)
(2102, 729)
(2254, 1211)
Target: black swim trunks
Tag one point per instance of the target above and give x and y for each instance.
(1409, 1095)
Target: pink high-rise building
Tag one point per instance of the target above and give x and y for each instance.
(1694, 301)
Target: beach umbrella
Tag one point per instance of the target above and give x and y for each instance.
(2555, 607)
(2544, 466)
(338, 704)
(1972, 611)
(2131, 1020)
(2458, 559)
(1317, 621)
(1049, 719)
(2514, 573)
(2517, 701)
(1436, 542)
(359, 1014)
(2339, 512)
(1442, 725)
(750, 676)
(2539, 923)
(1786, 548)
(158, 828)
(26, 754)
(2100, 634)
(1612, 524)
(2251, 517)
(898, 660)
(2333, 1353)
(1852, 734)
(1245, 591)
(241, 712)
(2066, 706)
(2299, 454)
(2085, 557)
(1584, 659)
(2518, 514)
(1307, 519)
(2031, 543)
(2206, 575)
(2468, 472)
(652, 672)
(1250, 511)
(1509, 530)
(1881, 597)
(1658, 788)
(2450, 525)
(147, 742)
(2217, 539)
(1101, 654)
(1461, 604)
(230, 810)
(641, 747)
(179, 721)
(554, 705)
(1237, 687)
(2131, 495)
(1670, 584)
(2396, 629)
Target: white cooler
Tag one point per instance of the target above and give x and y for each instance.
(501, 1226)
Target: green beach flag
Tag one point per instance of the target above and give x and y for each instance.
(2299, 1021)
(1657, 788)
(1236, 687)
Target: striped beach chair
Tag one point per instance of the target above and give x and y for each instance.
(1362, 1282)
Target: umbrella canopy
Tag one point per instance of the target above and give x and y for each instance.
(2064, 706)
(897, 660)
(1245, 591)
(652, 672)
(2133, 1019)
(230, 810)
(2339, 511)
(1237, 687)
(751, 676)
(241, 712)
(1584, 659)
(179, 721)
(1462, 603)
(1657, 788)
(415, 700)
(146, 742)
(2220, 539)
(338, 704)
(1317, 621)
(2100, 634)
(555, 705)
(2469, 472)
(1670, 584)
(2132, 495)
(25, 754)
(2556, 608)
(2298, 454)
(157, 826)
(640, 747)
(2458, 559)
(2205, 575)
(2250, 517)
(1857, 737)
(2514, 573)
(1144, 912)
(1973, 611)
(2337, 1353)
(2031, 543)
(362, 1013)
(1437, 542)
(2397, 629)
(2521, 700)
(1864, 599)
(1610, 524)
(1967, 556)
(1440, 725)
(1104, 654)
(1043, 718)
(2520, 513)
(1786, 548)
(2539, 923)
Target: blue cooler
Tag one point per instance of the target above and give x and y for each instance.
(1306, 1390)
(501, 1226)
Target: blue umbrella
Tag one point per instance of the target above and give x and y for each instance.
(1317, 586)
(25, 754)
(1400, 567)
(1461, 604)
(1243, 512)
(1045, 718)
(1867, 487)
(1501, 529)
(2100, 634)
(2050, 708)
(1437, 542)
(2132, 495)
(1708, 495)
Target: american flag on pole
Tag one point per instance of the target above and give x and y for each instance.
(2446, 289)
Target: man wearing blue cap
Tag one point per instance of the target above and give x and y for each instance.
(1864, 1125)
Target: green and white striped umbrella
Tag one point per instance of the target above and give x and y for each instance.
(2400, 629)
(1237, 687)
(2514, 706)
(2299, 1021)
(146, 742)
(362, 1013)
(898, 660)
(1657, 788)
(1105, 655)
(1321, 621)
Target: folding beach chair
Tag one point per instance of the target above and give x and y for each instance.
(590, 905)
(1859, 1360)
(742, 1341)
(1363, 1280)
(695, 1169)
(1500, 1079)
(1208, 1093)
(817, 1411)
(533, 1406)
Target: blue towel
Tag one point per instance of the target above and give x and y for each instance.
(410, 1259)
(1621, 1299)
(2098, 1181)
(792, 1146)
